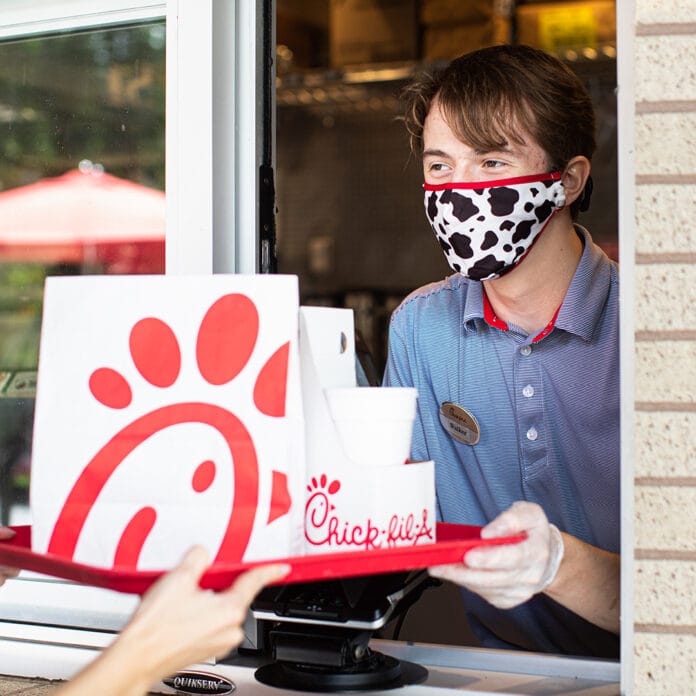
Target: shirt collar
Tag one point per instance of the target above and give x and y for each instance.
(588, 291)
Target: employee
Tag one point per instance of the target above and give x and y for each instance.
(515, 356)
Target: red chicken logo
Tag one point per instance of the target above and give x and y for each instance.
(225, 341)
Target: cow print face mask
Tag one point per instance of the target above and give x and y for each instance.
(486, 228)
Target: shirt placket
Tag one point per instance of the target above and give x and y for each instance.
(528, 395)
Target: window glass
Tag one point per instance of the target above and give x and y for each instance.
(81, 191)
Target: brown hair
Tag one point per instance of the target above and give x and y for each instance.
(495, 95)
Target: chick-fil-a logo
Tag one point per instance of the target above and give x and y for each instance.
(324, 526)
(227, 337)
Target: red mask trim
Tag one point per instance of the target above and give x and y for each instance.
(493, 183)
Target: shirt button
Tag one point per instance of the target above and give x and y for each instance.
(528, 391)
(526, 350)
(532, 434)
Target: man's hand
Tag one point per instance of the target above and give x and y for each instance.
(510, 574)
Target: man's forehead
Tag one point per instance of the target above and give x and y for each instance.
(507, 128)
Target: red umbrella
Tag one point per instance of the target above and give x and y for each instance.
(84, 217)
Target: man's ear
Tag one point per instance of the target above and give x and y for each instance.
(574, 177)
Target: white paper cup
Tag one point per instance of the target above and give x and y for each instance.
(374, 424)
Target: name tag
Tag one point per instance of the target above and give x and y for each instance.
(459, 423)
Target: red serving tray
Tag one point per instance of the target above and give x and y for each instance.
(453, 540)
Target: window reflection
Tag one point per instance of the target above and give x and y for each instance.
(81, 192)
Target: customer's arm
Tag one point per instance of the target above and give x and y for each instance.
(5, 571)
(175, 625)
(581, 577)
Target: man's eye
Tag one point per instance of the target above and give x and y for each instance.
(492, 164)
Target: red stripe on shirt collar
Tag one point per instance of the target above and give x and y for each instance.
(490, 316)
(492, 319)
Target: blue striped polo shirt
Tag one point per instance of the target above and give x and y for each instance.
(548, 413)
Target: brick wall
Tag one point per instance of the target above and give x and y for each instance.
(665, 348)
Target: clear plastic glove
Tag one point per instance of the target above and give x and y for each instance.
(6, 571)
(510, 574)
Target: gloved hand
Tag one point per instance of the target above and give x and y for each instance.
(509, 574)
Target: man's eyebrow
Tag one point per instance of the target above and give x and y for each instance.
(434, 152)
(491, 151)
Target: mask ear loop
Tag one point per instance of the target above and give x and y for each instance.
(586, 195)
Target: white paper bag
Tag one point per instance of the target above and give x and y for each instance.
(168, 413)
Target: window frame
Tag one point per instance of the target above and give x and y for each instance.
(20, 19)
(625, 29)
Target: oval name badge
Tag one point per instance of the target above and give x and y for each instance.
(459, 423)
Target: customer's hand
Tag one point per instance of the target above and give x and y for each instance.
(177, 623)
(5, 571)
(509, 574)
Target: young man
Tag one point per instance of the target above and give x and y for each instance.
(515, 356)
